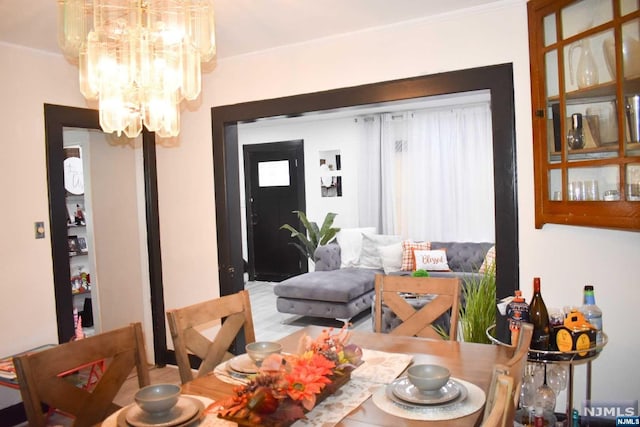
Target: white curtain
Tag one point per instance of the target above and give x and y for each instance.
(435, 179)
(369, 172)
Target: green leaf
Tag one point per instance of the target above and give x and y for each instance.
(314, 236)
(479, 310)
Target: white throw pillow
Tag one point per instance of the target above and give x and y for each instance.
(350, 241)
(391, 257)
(434, 260)
(370, 254)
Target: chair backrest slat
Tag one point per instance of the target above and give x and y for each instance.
(232, 313)
(499, 409)
(391, 290)
(41, 375)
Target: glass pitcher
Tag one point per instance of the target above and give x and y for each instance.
(587, 72)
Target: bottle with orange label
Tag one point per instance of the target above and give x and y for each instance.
(517, 312)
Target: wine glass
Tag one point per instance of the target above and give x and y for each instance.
(545, 397)
(557, 378)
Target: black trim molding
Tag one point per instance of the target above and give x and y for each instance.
(498, 79)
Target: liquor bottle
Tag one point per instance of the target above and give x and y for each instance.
(575, 136)
(539, 317)
(517, 312)
(592, 312)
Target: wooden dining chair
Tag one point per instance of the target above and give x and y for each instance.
(42, 379)
(391, 291)
(499, 409)
(187, 324)
(517, 363)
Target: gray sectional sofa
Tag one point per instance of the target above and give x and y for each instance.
(341, 293)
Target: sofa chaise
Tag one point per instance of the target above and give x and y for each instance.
(332, 291)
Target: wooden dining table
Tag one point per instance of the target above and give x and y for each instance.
(471, 362)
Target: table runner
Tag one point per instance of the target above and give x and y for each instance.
(379, 367)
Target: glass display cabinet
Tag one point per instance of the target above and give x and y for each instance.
(585, 83)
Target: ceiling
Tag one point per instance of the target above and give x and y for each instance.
(244, 26)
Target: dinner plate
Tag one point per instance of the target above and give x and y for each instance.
(403, 389)
(243, 364)
(185, 412)
(409, 405)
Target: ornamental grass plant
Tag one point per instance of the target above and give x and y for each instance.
(479, 309)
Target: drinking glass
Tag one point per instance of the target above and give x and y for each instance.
(527, 394)
(591, 191)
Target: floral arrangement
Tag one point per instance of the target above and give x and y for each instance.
(289, 385)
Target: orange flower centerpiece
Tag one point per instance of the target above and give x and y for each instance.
(289, 385)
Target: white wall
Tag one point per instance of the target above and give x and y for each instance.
(324, 135)
(564, 257)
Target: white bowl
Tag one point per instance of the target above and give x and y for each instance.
(260, 350)
(158, 399)
(428, 378)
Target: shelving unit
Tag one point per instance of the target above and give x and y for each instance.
(585, 60)
(78, 248)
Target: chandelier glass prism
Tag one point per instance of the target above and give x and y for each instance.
(139, 58)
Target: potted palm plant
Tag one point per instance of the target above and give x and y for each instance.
(314, 236)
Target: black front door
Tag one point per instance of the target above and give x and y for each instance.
(274, 188)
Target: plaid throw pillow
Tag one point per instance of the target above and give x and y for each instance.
(408, 262)
(489, 259)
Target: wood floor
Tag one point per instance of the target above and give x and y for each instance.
(269, 326)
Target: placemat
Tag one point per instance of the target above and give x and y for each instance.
(334, 408)
(475, 401)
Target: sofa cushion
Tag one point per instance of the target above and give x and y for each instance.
(350, 241)
(327, 257)
(464, 256)
(433, 260)
(489, 260)
(336, 285)
(408, 263)
(370, 253)
(391, 257)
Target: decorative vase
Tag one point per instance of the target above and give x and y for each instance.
(630, 56)
(587, 72)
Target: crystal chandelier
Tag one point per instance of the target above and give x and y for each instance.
(138, 58)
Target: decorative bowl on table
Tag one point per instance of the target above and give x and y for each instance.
(428, 378)
(157, 399)
(260, 350)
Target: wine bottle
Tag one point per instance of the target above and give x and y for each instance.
(539, 317)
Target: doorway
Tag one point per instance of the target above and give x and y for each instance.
(498, 79)
(59, 120)
(274, 189)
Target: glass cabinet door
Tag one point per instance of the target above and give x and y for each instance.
(586, 95)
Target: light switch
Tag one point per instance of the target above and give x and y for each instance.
(39, 229)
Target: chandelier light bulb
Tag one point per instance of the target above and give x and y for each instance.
(138, 58)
